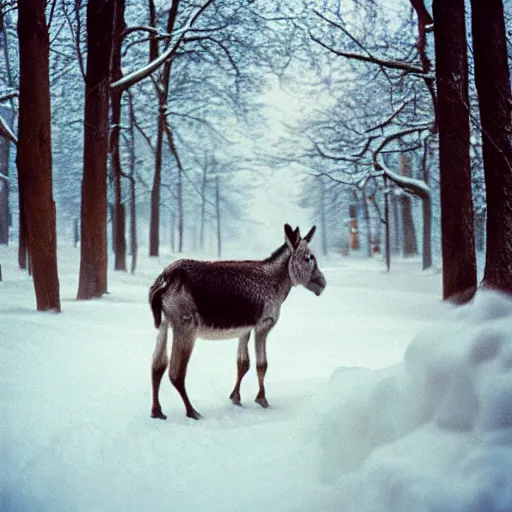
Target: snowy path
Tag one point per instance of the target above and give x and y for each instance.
(76, 433)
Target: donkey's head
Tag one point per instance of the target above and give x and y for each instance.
(302, 267)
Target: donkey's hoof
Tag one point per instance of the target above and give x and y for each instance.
(235, 398)
(262, 401)
(157, 413)
(194, 415)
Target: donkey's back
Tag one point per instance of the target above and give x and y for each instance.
(225, 294)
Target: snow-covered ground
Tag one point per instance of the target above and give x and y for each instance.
(383, 398)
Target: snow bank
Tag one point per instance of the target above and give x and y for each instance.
(431, 434)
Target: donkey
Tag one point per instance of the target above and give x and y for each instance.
(224, 300)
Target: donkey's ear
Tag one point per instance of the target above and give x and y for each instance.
(309, 236)
(291, 237)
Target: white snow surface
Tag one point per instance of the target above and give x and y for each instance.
(361, 417)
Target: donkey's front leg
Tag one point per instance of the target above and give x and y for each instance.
(182, 345)
(261, 365)
(243, 365)
(158, 366)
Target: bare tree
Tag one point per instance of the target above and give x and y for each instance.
(118, 221)
(34, 159)
(93, 253)
(458, 241)
(492, 77)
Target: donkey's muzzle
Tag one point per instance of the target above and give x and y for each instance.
(317, 284)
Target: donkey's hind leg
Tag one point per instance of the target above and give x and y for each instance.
(182, 345)
(243, 365)
(158, 366)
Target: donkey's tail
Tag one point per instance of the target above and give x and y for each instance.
(172, 277)
(155, 298)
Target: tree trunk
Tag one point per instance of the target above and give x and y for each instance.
(22, 232)
(115, 98)
(203, 206)
(368, 222)
(7, 114)
(396, 222)
(93, 247)
(34, 157)
(427, 214)
(162, 90)
(458, 245)
(480, 220)
(179, 191)
(492, 78)
(353, 226)
(386, 220)
(133, 198)
(180, 205)
(323, 217)
(410, 247)
(217, 211)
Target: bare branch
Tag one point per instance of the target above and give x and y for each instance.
(5, 131)
(412, 186)
(390, 118)
(9, 96)
(392, 64)
(178, 35)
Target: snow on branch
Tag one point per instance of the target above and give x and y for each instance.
(330, 156)
(5, 131)
(9, 96)
(398, 135)
(387, 63)
(412, 186)
(178, 35)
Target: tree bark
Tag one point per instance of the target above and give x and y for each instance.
(203, 206)
(410, 247)
(93, 248)
(133, 196)
(7, 114)
(458, 246)
(323, 219)
(492, 78)
(115, 99)
(427, 213)
(22, 232)
(34, 157)
(217, 212)
(162, 90)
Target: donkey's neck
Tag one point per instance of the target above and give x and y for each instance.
(277, 268)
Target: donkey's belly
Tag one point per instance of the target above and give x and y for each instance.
(209, 333)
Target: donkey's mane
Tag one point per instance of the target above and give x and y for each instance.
(276, 254)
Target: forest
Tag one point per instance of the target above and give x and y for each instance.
(128, 124)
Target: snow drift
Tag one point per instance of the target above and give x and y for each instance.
(431, 434)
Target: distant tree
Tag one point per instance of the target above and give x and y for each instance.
(34, 159)
(118, 221)
(6, 132)
(93, 247)
(458, 240)
(6, 116)
(492, 77)
(410, 247)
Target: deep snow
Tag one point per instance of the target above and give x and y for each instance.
(361, 418)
